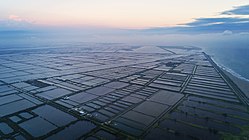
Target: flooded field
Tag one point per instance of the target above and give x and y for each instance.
(78, 94)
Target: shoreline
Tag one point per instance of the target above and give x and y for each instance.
(229, 70)
(241, 82)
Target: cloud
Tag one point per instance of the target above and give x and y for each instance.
(241, 10)
(220, 24)
(14, 22)
(213, 21)
(203, 26)
(244, 33)
(15, 18)
(227, 32)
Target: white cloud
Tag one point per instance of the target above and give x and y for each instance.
(227, 32)
(244, 33)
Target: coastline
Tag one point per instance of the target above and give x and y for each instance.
(241, 82)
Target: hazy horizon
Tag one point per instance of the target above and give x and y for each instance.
(205, 24)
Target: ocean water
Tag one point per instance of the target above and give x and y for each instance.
(234, 59)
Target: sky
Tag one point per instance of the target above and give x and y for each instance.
(123, 14)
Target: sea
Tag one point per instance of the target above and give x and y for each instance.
(234, 59)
